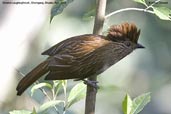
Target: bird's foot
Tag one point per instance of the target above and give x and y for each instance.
(91, 83)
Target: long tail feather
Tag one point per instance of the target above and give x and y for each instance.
(31, 77)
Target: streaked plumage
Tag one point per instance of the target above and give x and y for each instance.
(83, 56)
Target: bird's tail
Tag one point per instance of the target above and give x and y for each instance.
(31, 77)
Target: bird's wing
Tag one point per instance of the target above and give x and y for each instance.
(65, 54)
(77, 46)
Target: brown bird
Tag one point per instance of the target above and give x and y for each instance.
(83, 56)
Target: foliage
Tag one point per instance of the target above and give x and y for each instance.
(48, 105)
(40, 85)
(141, 1)
(163, 13)
(135, 106)
(20, 112)
(77, 93)
(127, 104)
(59, 7)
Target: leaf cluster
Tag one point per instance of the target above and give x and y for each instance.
(163, 13)
(136, 105)
(77, 93)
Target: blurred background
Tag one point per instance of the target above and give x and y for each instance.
(25, 32)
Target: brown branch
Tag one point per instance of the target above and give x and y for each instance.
(100, 16)
(98, 26)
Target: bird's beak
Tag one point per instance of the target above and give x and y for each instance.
(140, 46)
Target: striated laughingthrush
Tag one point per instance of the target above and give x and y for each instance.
(83, 56)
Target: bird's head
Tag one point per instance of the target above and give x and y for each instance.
(125, 33)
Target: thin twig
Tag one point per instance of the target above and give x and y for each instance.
(134, 9)
(128, 9)
(98, 25)
(152, 4)
(64, 84)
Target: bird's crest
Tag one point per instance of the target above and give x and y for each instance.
(123, 31)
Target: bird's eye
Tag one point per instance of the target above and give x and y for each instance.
(128, 44)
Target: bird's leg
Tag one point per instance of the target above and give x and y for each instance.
(91, 83)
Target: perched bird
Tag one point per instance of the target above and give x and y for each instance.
(84, 56)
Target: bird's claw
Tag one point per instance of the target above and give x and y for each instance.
(92, 83)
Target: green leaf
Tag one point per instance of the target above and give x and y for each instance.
(20, 112)
(34, 111)
(58, 85)
(162, 12)
(127, 104)
(48, 105)
(59, 7)
(77, 93)
(64, 85)
(40, 85)
(140, 102)
(141, 1)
